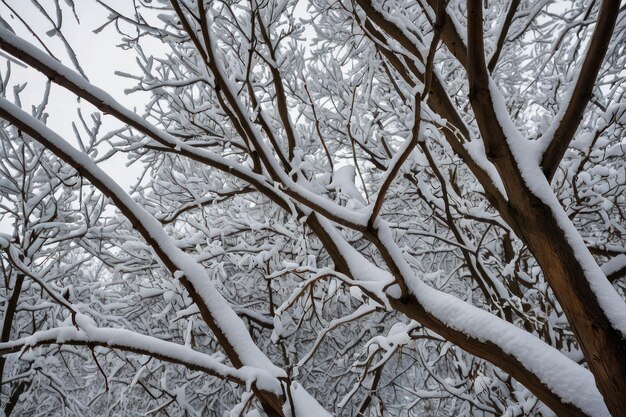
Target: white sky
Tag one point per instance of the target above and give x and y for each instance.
(99, 58)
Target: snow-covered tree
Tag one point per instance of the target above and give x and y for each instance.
(351, 208)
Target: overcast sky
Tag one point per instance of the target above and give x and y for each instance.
(99, 58)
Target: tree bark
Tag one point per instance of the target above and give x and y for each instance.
(534, 220)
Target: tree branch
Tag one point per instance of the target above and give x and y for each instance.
(130, 341)
(566, 122)
(504, 31)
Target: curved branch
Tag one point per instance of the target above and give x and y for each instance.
(480, 333)
(504, 31)
(130, 341)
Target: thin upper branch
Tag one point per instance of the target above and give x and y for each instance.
(567, 121)
(504, 31)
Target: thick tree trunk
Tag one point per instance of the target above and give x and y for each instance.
(535, 221)
(602, 344)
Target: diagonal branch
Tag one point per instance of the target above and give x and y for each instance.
(565, 124)
(70, 80)
(479, 332)
(228, 328)
(504, 31)
(455, 131)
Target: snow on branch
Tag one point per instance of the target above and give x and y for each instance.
(90, 335)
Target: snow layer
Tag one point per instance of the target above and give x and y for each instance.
(569, 381)
(528, 156)
(304, 404)
(136, 342)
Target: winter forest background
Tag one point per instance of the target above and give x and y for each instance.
(309, 208)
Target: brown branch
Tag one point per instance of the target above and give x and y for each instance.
(112, 344)
(104, 375)
(417, 119)
(480, 96)
(281, 98)
(565, 126)
(261, 116)
(15, 396)
(396, 165)
(62, 79)
(206, 201)
(271, 403)
(492, 353)
(456, 131)
(107, 105)
(617, 274)
(409, 305)
(318, 129)
(238, 114)
(450, 36)
(537, 224)
(390, 28)
(506, 25)
(9, 315)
